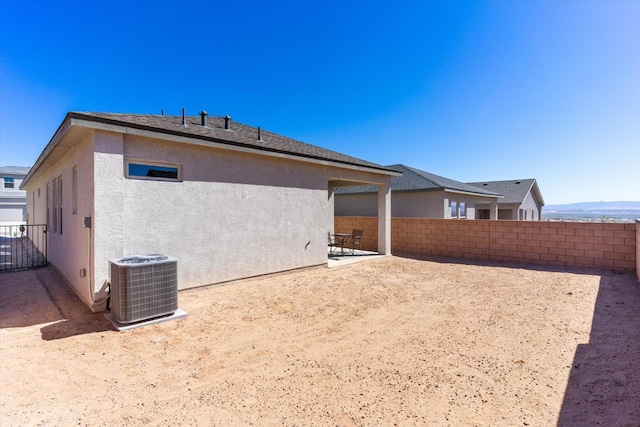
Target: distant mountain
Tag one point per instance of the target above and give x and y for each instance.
(593, 206)
(593, 211)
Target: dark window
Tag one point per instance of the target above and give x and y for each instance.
(152, 171)
(8, 182)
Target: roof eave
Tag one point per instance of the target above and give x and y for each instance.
(84, 120)
(429, 190)
(57, 136)
(470, 193)
(101, 123)
(536, 188)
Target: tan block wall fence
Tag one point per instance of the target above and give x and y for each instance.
(574, 244)
(638, 249)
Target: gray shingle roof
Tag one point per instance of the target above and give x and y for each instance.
(417, 180)
(237, 135)
(514, 191)
(14, 170)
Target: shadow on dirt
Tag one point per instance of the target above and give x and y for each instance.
(603, 386)
(41, 297)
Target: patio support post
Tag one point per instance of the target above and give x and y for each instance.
(493, 210)
(384, 218)
(332, 217)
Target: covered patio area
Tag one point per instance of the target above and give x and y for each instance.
(383, 187)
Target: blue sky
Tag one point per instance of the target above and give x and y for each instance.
(469, 90)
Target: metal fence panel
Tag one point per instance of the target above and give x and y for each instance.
(23, 247)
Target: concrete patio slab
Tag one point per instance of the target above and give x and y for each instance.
(338, 260)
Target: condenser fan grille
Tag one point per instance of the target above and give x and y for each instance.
(142, 290)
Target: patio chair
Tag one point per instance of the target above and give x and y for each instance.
(356, 240)
(331, 243)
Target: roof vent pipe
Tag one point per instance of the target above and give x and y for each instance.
(203, 114)
(227, 121)
(184, 120)
(259, 134)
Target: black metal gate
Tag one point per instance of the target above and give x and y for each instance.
(23, 247)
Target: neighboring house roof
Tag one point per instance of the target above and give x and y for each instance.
(417, 180)
(14, 170)
(514, 191)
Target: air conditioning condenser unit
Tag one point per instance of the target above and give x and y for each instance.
(143, 287)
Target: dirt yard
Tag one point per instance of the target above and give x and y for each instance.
(393, 341)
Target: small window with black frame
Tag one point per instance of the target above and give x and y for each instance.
(153, 171)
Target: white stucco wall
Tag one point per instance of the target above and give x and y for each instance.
(13, 201)
(233, 215)
(12, 211)
(418, 204)
(356, 204)
(69, 251)
(423, 204)
(17, 181)
(108, 200)
(532, 207)
(514, 211)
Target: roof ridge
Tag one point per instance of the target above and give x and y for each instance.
(422, 173)
(502, 180)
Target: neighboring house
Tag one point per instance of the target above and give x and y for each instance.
(522, 199)
(13, 201)
(227, 200)
(417, 194)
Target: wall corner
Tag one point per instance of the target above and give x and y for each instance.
(108, 214)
